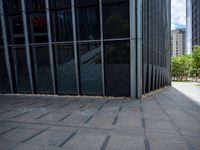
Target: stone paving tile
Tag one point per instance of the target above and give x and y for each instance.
(165, 120)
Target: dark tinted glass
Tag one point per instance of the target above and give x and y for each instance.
(16, 31)
(60, 3)
(21, 71)
(87, 23)
(38, 25)
(65, 64)
(42, 69)
(86, 2)
(12, 6)
(114, 1)
(90, 68)
(4, 83)
(117, 68)
(35, 5)
(116, 20)
(62, 25)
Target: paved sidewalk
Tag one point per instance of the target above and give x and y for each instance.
(168, 120)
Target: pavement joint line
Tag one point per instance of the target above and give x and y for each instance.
(105, 143)
(31, 137)
(42, 116)
(16, 103)
(120, 108)
(115, 121)
(64, 117)
(189, 145)
(64, 105)
(47, 104)
(147, 144)
(21, 114)
(32, 104)
(100, 107)
(143, 123)
(82, 106)
(89, 119)
(67, 139)
(4, 132)
(141, 110)
(1, 113)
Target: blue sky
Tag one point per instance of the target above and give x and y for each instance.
(178, 14)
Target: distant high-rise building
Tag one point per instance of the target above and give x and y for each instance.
(178, 42)
(195, 22)
(189, 26)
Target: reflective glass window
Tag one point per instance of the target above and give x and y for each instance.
(42, 69)
(62, 25)
(86, 2)
(88, 22)
(38, 26)
(20, 69)
(117, 68)
(35, 5)
(90, 68)
(4, 82)
(60, 3)
(65, 66)
(116, 20)
(12, 6)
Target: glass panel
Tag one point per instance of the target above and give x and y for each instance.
(12, 6)
(88, 23)
(62, 25)
(117, 68)
(116, 20)
(38, 28)
(114, 1)
(4, 82)
(35, 5)
(42, 69)
(15, 26)
(66, 75)
(90, 68)
(86, 2)
(60, 3)
(21, 71)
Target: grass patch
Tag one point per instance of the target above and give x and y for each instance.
(181, 81)
(197, 85)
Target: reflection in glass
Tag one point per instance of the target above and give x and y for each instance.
(62, 25)
(117, 68)
(12, 6)
(42, 69)
(87, 23)
(16, 30)
(38, 28)
(60, 3)
(21, 71)
(65, 65)
(35, 5)
(85, 2)
(116, 20)
(4, 82)
(90, 68)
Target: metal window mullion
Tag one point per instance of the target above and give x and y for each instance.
(132, 11)
(75, 47)
(27, 48)
(5, 45)
(102, 46)
(50, 46)
(139, 49)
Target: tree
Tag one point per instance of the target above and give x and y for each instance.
(196, 60)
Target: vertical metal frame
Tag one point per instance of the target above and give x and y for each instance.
(50, 47)
(132, 11)
(102, 45)
(75, 47)
(5, 45)
(139, 49)
(27, 48)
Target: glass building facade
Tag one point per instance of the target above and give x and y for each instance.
(84, 47)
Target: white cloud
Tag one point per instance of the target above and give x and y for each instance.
(178, 13)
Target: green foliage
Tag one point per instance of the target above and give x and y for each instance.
(186, 65)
